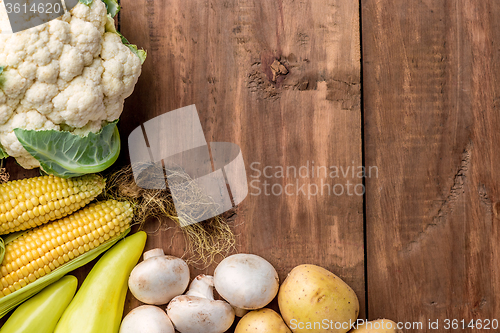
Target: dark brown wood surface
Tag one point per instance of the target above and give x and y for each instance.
(282, 79)
(431, 125)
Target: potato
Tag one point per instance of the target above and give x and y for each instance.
(263, 320)
(377, 326)
(313, 299)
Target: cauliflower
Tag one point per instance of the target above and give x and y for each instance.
(69, 74)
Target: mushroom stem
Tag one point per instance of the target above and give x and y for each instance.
(239, 312)
(153, 253)
(202, 286)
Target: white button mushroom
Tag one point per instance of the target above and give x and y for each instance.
(246, 281)
(159, 278)
(198, 312)
(146, 319)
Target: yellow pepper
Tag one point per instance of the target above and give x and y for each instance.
(40, 313)
(98, 305)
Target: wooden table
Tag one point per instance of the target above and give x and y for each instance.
(414, 94)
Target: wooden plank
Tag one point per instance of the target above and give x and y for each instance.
(430, 75)
(219, 55)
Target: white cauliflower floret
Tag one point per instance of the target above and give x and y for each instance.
(31, 120)
(66, 74)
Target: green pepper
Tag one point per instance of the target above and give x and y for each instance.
(98, 305)
(40, 313)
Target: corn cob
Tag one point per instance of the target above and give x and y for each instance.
(40, 251)
(28, 203)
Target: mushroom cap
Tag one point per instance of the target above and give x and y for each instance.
(193, 314)
(146, 319)
(246, 281)
(158, 279)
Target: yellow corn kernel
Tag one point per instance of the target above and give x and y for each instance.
(41, 250)
(28, 203)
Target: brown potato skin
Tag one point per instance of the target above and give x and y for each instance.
(262, 321)
(311, 294)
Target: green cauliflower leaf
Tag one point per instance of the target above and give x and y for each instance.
(65, 154)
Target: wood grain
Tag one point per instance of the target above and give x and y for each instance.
(218, 55)
(431, 97)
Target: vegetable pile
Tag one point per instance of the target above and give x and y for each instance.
(54, 225)
(62, 87)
